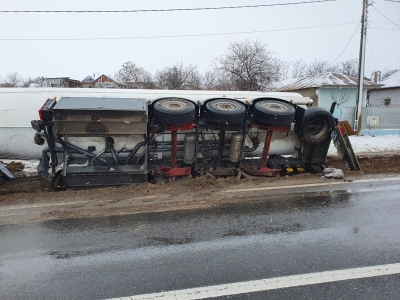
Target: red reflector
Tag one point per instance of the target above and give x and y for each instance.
(40, 110)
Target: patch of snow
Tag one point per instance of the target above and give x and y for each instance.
(333, 173)
(371, 144)
(318, 80)
(392, 80)
(30, 165)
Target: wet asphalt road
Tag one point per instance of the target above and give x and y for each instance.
(99, 258)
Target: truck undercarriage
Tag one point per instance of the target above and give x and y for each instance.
(118, 141)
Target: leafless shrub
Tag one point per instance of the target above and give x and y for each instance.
(179, 77)
(340, 96)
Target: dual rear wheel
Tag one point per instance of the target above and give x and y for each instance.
(316, 126)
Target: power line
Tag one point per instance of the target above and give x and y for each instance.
(163, 10)
(369, 47)
(346, 45)
(172, 36)
(395, 36)
(386, 17)
(383, 28)
(381, 22)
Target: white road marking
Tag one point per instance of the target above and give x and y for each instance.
(270, 283)
(310, 185)
(283, 186)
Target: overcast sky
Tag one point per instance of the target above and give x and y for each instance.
(143, 35)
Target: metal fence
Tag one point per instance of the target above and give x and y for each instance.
(389, 117)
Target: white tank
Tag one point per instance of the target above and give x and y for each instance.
(18, 106)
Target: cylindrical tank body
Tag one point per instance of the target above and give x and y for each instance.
(236, 147)
(189, 153)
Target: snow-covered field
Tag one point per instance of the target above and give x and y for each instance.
(361, 145)
(372, 144)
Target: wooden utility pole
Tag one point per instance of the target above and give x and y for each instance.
(361, 62)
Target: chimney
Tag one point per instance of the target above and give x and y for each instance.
(377, 76)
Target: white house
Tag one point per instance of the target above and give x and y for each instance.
(326, 88)
(389, 94)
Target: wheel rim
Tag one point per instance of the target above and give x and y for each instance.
(174, 105)
(317, 128)
(274, 106)
(224, 105)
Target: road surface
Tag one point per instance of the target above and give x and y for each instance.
(315, 242)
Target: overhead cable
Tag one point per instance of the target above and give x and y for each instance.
(386, 17)
(377, 33)
(369, 47)
(170, 36)
(383, 28)
(347, 44)
(164, 10)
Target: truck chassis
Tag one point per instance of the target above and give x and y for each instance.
(118, 141)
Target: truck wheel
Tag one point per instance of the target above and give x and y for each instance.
(316, 126)
(57, 181)
(174, 111)
(273, 113)
(222, 111)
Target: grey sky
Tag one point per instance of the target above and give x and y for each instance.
(79, 58)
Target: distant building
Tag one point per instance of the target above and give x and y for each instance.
(388, 94)
(61, 82)
(107, 82)
(326, 88)
(88, 82)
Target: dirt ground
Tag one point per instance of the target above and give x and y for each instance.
(25, 199)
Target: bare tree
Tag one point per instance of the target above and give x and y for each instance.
(283, 69)
(131, 74)
(298, 69)
(340, 96)
(26, 82)
(319, 66)
(215, 81)
(179, 77)
(248, 65)
(349, 67)
(13, 79)
(386, 73)
(210, 80)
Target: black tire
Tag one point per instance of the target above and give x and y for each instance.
(225, 111)
(274, 113)
(174, 111)
(317, 125)
(2, 178)
(39, 140)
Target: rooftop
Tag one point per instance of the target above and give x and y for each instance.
(319, 80)
(88, 79)
(391, 81)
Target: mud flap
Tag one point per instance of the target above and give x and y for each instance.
(343, 146)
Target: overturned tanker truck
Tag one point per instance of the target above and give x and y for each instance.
(98, 141)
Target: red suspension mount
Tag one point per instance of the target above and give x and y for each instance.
(173, 170)
(263, 170)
